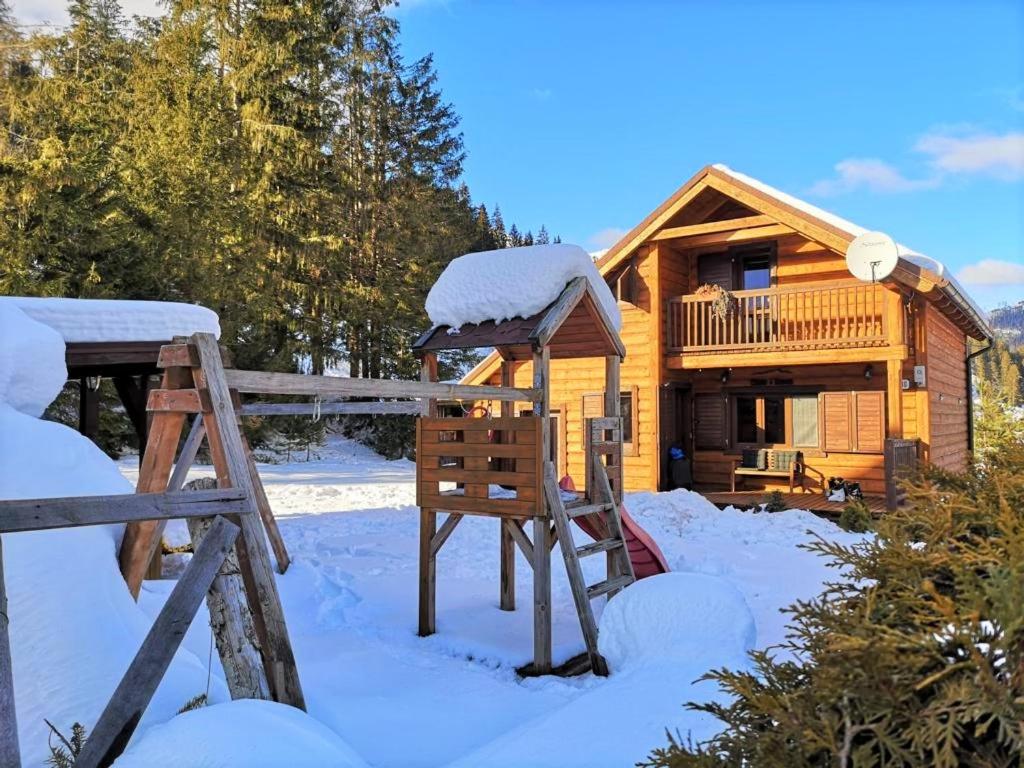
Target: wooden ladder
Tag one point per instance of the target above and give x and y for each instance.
(620, 568)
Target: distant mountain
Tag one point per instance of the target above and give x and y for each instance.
(1008, 322)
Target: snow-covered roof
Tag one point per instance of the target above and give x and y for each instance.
(513, 282)
(855, 230)
(95, 320)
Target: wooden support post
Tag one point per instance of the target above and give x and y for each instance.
(131, 697)
(232, 467)
(541, 531)
(428, 573)
(428, 524)
(10, 752)
(894, 398)
(507, 555)
(133, 397)
(189, 451)
(612, 409)
(232, 624)
(88, 409)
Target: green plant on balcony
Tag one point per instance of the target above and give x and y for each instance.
(723, 303)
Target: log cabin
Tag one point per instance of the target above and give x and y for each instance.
(859, 380)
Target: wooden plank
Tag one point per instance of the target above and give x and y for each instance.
(120, 717)
(487, 476)
(10, 752)
(232, 624)
(230, 454)
(141, 539)
(428, 376)
(734, 236)
(493, 450)
(725, 225)
(336, 386)
(184, 400)
(486, 424)
(281, 556)
(177, 356)
(541, 595)
(376, 408)
(446, 529)
(453, 503)
(507, 553)
(75, 511)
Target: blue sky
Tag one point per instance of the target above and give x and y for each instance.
(902, 116)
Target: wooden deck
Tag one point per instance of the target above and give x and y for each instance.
(813, 502)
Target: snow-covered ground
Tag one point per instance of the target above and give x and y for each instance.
(350, 524)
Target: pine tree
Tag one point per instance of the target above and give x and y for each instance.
(542, 236)
(498, 229)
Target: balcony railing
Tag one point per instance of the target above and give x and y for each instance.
(789, 318)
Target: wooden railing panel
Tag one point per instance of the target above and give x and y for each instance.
(476, 453)
(799, 317)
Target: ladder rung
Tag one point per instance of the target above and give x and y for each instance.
(598, 546)
(587, 509)
(604, 587)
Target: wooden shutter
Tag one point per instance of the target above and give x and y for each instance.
(709, 421)
(715, 269)
(837, 421)
(805, 421)
(869, 410)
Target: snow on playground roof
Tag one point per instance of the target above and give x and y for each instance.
(95, 320)
(512, 282)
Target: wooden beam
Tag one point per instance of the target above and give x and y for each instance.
(672, 233)
(518, 534)
(894, 398)
(337, 386)
(332, 409)
(446, 529)
(559, 311)
(10, 753)
(230, 457)
(507, 552)
(75, 511)
(183, 400)
(695, 360)
(189, 451)
(120, 717)
(541, 532)
(733, 236)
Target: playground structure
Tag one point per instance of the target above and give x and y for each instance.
(502, 467)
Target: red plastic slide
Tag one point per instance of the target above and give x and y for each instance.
(643, 551)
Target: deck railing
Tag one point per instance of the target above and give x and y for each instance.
(779, 318)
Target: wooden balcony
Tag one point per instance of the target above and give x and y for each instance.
(785, 319)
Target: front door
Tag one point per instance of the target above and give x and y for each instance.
(676, 428)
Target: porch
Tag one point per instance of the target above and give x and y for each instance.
(812, 502)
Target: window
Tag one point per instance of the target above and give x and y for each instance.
(760, 419)
(624, 283)
(757, 272)
(593, 407)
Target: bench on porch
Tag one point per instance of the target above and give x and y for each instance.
(769, 463)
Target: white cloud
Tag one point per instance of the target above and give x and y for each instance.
(871, 174)
(992, 272)
(607, 237)
(1001, 156)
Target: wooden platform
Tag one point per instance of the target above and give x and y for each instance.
(813, 502)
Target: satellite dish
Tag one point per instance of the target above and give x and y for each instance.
(872, 256)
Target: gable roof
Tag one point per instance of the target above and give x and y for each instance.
(592, 331)
(914, 269)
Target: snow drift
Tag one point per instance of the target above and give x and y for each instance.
(241, 734)
(512, 282)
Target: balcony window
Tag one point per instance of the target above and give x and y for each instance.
(760, 419)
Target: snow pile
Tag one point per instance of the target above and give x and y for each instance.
(512, 282)
(112, 320)
(241, 734)
(32, 370)
(676, 618)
